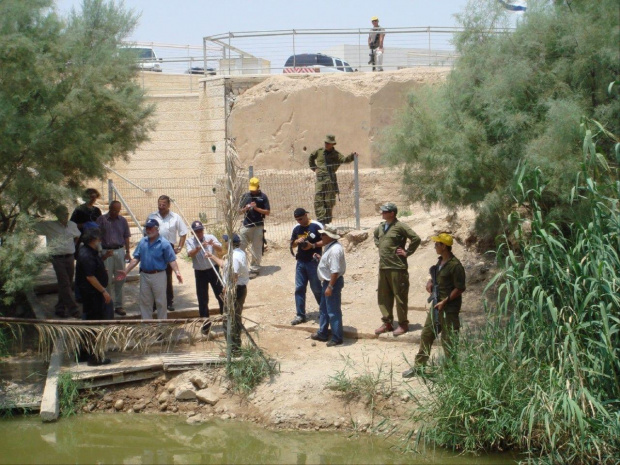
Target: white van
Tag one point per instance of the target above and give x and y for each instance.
(145, 57)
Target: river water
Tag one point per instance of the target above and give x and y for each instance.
(160, 439)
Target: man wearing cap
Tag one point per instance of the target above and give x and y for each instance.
(451, 284)
(115, 236)
(332, 267)
(240, 277)
(154, 253)
(307, 238)
(255, 207)
(205, 270)
(325, 162)
(375, 43)
(170, 226)
(391, 238)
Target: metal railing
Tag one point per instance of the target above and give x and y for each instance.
(266, 52)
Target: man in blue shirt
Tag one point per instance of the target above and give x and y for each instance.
(154, 253)
(307, 239)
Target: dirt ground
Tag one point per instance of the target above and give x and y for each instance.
(299, 397)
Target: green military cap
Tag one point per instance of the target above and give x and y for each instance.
(330, 139)
(389, 207)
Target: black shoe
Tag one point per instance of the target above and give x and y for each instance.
(95, 362)
(298, 320)
(120, 311)
(316, 337)
(171, 308)
(60, 314)
(333, 343)
(206, 328)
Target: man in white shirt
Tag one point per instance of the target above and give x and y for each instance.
(62, 236)
(240, 279)
(170, 226)
(205, 270)
(331, 270)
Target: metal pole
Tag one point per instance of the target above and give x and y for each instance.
(429, 46)
(110, 190)
(356, 191)
(294, 54)
(359, 50)
(251, 171)
(133, 217)
(229, 53)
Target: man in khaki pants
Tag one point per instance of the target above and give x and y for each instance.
(391, 237)
(115, 236)
(255, 207)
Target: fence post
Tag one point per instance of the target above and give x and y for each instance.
(356, 178)
(429, 46)
(110, 190)
(251, 172)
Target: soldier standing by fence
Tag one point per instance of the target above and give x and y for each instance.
(325, 162)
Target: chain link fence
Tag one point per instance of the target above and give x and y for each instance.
(202, 198)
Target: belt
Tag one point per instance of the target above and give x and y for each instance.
(151, 272)
(63, 255)
(114, 247)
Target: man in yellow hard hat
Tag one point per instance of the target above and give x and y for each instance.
(446, 285)
(375, 43)
(255, 206)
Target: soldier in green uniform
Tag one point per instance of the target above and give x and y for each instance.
(325, 162)
(451, 284)
(391, 237)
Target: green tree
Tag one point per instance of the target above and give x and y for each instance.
(68, 105)
(514, 98)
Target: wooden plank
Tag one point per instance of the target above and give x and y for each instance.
(50, 405)
(118, 378)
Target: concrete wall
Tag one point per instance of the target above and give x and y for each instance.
(275, 122)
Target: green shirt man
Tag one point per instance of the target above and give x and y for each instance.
(325, 162)
(391, 238)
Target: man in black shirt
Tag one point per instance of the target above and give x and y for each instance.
(307, 238)
(92, 279)
(255, 205)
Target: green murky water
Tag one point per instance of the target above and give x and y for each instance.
(160, 439)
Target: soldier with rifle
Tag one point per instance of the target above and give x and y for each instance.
(446, 285)
(375, 43)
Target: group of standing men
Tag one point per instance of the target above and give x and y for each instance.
(320, 261)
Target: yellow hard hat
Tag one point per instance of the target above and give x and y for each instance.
(444, 238)
(374, 18)
(254, 184)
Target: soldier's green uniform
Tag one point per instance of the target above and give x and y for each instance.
(451, 276)
(325, 164)
(393, 274)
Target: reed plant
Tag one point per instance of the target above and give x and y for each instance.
(249, 370)
(543, 376)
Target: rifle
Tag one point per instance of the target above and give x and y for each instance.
(434, 298)
(372, 58)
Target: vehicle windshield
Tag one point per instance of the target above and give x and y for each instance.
(140, 53)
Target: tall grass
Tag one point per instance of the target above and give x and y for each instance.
(543, 376)
(69, 395)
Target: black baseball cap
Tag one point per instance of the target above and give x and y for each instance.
(151, 223)
(299, 212)
(235, 240)
(197, 226)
